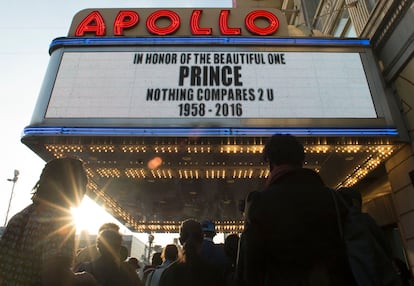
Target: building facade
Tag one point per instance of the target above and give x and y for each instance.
(151, 169)
(388, 24)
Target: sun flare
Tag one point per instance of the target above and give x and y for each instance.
(89, 216)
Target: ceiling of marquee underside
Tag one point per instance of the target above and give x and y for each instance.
(145, 182)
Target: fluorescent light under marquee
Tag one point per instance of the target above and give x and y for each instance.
(38, 131)
(56, 43)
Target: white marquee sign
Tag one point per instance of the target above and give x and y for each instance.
(211, 84)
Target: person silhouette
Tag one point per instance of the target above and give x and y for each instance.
(169, 254)
(108, 269)
(91, 252)
(37, 247)
(291, 235)
(191, 269)
(210, 251)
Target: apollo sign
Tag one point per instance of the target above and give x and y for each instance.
(202, 65)
(179, 22)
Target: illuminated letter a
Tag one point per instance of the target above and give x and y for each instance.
(92, 23)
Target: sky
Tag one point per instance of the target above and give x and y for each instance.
(27, 28)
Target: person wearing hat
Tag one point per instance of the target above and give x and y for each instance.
(211, 252)
(291, 235)
(190, 269)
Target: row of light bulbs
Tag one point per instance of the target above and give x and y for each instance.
(142, 173)
(64, 149)
(380, 153)
(362, 170)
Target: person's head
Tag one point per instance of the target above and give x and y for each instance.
(109, 244)
(134, 263)
(109, 225)
(62, 183)
(351, 196)
(209, 228)
(170, 252)
(284, 149)
(156, 259)
(123, 251)
(191, 238)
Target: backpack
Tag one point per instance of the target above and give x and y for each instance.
(370, 261)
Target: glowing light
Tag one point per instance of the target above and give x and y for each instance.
(125, 19)
(56, 43)
(223, 24)
(154, 163)
(94, 23)
(269, 30)
(89, 216)
(194, 24)
(36, 131)
(162, 31)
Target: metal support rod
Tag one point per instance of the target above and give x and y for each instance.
(14, 180)
(150, 241)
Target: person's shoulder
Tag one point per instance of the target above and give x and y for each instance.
(365, 218)
(129, 272)
(17, 223)
(27, 210)
(175, 266)
(148, 269)
(171, 271)
(252, 198)
(23, 214)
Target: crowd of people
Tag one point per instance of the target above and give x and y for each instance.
(290, 236)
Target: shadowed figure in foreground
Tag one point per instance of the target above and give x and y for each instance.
(37, 247)
(291, 235)
(191, 269)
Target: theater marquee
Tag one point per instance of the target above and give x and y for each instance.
(198, 91)
(206, 84)
(207, 68)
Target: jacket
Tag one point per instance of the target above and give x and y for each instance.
(291, 235)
